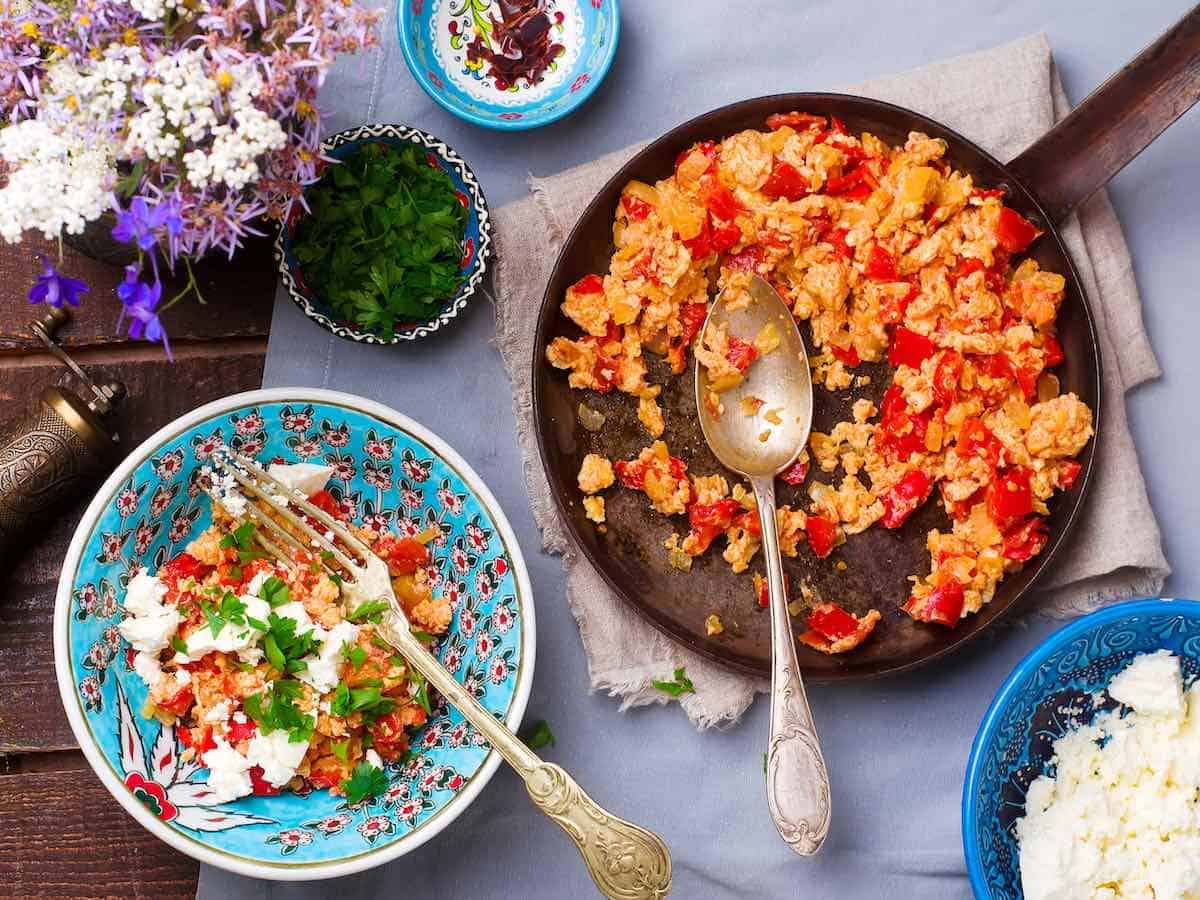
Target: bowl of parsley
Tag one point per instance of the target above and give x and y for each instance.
(391, 241)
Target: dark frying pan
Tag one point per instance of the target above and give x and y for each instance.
(1045, 184)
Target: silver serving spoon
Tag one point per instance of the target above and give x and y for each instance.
(797, 782)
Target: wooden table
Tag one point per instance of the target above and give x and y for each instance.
(63, 834)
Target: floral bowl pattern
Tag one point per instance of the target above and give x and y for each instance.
(477, 241)
(435, 34)
(389, 472)
(1057, 687)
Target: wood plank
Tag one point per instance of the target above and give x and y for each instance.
(65, 836)
(31, 715)
(239, 294)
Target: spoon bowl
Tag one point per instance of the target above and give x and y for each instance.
(758, 427)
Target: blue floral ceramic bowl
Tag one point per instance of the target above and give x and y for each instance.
(389, 471)
(435, 34)
(477, 241)
(1055, 688)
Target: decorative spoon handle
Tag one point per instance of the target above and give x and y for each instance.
(797, 781)
(626, 861)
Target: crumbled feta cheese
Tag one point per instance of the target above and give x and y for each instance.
(182, 677)
(307, 478)
(321, 669)
(251, 655)
(228, 772)
(148, 668)
(150, 624)
(295, 610)
(1121, 815)
(374, 760)
(240, 717)
(277, 755)
(218, 714)
(228, 493)
(256, 583)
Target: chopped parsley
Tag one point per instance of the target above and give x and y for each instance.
(365, 781)
(275, 591)
(241, 539)
(284, 648)
(275, 710)
(355, 655)
(340, 748)
(179, 645)
(538, 735)
(678, 685)
(423, 636)
(422, 693)
(367, 699)
(231, 610)
(371, 611)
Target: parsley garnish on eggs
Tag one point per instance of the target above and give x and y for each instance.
(383, 241)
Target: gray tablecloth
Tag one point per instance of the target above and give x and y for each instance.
(897, 748)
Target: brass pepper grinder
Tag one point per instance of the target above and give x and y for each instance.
(53, 453)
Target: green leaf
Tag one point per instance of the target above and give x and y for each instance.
(370, 611)
(179, 645)
(537, 735)
(355, 655)
(365, 781)
(680, 684)
(275, 710)
(340, 748)
(275, 591)
(274, 655)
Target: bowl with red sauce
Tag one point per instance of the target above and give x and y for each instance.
(509, 64)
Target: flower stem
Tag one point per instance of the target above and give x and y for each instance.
(192, 287)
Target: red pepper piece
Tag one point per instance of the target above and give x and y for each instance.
(798, 120)
(749, 521)
(1013, 231)
(944, 605)
(632, 473)
(892, 309)
(946, 376)
(741, 354)
(180, 702)
(848, 355)
(785, 181)
(1053, 350)
(796, 473)
(1026, 540)
(832, 622)
(724, 237)
(327, 503)
(240, 731)
(589, 284)
(976, 439)
(881, 265)
(822, 535)
(900, 432)
(1068, 472)
(636, 208)
(905, 498)
(403, 555)
(1009, 497)
(746, 261)
(910, 348)
(718, 199)
(260, 786)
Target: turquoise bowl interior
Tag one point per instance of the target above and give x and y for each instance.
(477, 239)
(389, 472)
(434, 35)
(1015, 741)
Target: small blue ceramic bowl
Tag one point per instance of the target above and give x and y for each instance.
(435, 34)
(1053, 690)
(389, 472)
(477, 240)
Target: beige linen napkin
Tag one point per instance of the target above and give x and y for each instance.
(1003, 99)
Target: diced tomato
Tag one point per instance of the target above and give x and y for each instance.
(943, 606)
(403, 555)
(833, 630)
(720, 513)
(764, 591)
(881, 265)
(721, 239)
(391, 740)
(691, 318)
(700, 245)
(976, 439)
(1068, 471)
(180, 702)
(632, 473)
(1053, 350)
(260, 785)
(848, 355)
(993, 278)
(832, 622)
(588, 284)
(182, 567)
(241, 731)
(325, 778)
(892, 309)
(854, 185)
(1013, 231)
(327, 503)
(900, 432)
(1026, 540)
(645, 266)
(636, 208)
(909, 348)
(604, 372)
(822, 535)
(798, 120)
(785, 181)
(903, 500)
(746, 261)
(677, 467)
(749, 521)
(1009, 496)
(708, 148)
(946, 376)
(718, 199)
(741, 354)
(959, 510)
(187, 737)
(796, 473)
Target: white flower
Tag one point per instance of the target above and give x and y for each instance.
(56, 180)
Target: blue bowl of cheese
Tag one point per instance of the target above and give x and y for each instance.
(1084, 777)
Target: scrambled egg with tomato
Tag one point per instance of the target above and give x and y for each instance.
(887, 253)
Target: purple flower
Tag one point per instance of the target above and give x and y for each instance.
(138, 301)
(53, 287)
(140, 222)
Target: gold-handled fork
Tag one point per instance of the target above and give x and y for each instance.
(625, 860)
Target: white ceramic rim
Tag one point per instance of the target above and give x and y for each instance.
(100, 764)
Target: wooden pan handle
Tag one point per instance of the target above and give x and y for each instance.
(1116, 122)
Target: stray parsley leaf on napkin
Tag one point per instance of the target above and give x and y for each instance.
(680, 684)
(383, 242)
